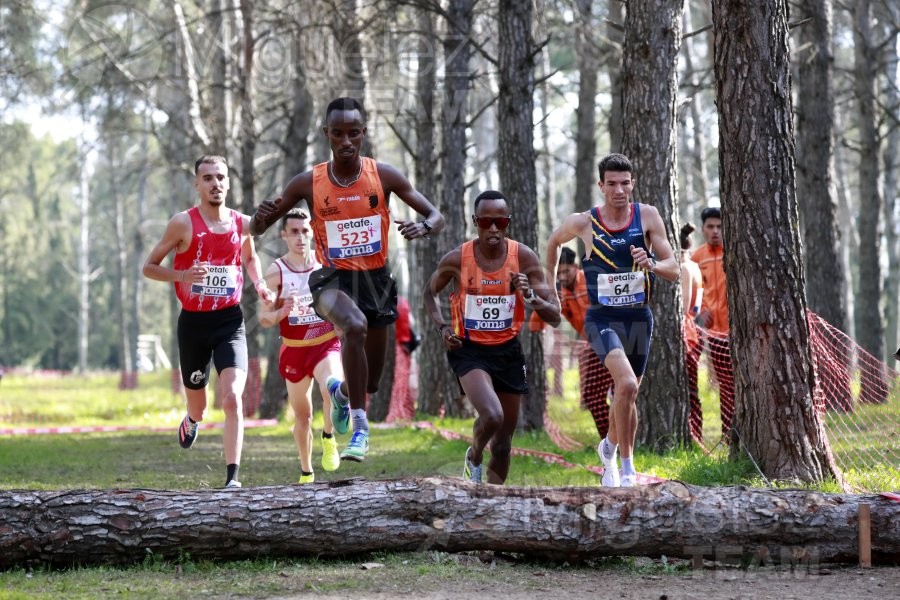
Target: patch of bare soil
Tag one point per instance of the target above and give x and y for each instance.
(474, 577)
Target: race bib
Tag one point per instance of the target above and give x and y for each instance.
(302, 313)
(489, 313)
(220, 281)
(621, 289)
(354, 237)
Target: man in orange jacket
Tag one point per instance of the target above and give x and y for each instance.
(713, 315)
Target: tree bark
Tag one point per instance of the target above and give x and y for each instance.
(585, 115)
(425, 255)
(84, 527)
(613, 64)
(775, 418)
(816, 190)
(888, 15)
(438, 387)
(652, 41)
(516, 167)
(869, 319)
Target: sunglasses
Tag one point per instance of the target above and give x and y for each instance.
(486, 222)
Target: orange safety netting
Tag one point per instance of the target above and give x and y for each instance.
(856, 394)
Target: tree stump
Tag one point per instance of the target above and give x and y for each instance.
(84, 527)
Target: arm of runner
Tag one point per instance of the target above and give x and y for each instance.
(447, 271)
(395, 182)
(568, 230)
(252, 264)
(532, 283)
(269, 211)
(177, 234)
(665, 264)
(274, 311)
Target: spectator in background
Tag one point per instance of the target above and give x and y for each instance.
(713, 317)
(692, 296)
(403, 403)
(595, 380)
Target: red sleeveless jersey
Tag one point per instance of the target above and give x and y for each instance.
(302, 327)
(350, 225)
(224, 282)
(487, 308)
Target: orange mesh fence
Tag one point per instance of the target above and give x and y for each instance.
(856, 396)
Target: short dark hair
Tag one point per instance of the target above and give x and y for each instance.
(209, 159)
(489, 195)
(686, 230)
(566, 256)
(710, 212)
(618, 163)
(345, 103)
(294, 213)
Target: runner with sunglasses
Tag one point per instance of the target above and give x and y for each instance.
(350, 218)
(626, 249)
(493, 277)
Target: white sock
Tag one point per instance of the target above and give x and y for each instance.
(360, 420)
(628, 466)
(608, 449)
(342, 398)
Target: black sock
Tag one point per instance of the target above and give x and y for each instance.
(327, 436)
(191, 420)
(302, 472)
(231, 472)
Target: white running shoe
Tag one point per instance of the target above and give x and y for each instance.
(629, 480)
(610, 469)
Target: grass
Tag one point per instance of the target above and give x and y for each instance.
(151, 459)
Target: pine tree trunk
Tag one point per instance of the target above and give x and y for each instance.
(652, 41)
(100, 527)
(516, 166)
(585, 115)
(869, 319)
(775, 418)
(438, 385)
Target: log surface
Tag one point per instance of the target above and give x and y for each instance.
(356, 515)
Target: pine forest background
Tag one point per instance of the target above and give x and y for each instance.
(105, 106)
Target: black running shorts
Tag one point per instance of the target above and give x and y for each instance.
(375, 292)
(504, 363)
(218, 335)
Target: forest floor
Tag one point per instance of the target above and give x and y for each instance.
(818, 583)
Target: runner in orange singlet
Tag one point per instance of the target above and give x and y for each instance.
(348, 199)
(492, 276)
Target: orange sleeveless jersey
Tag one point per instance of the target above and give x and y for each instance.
(350, 225)
(486, 308)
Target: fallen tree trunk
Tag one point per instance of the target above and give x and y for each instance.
(356, 515)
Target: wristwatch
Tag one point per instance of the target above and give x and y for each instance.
(427, 227)
(531, 298)
(652, 263)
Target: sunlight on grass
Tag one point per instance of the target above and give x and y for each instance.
(270, 456)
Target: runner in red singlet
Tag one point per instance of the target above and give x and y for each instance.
(211, 243)
(310, 348)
